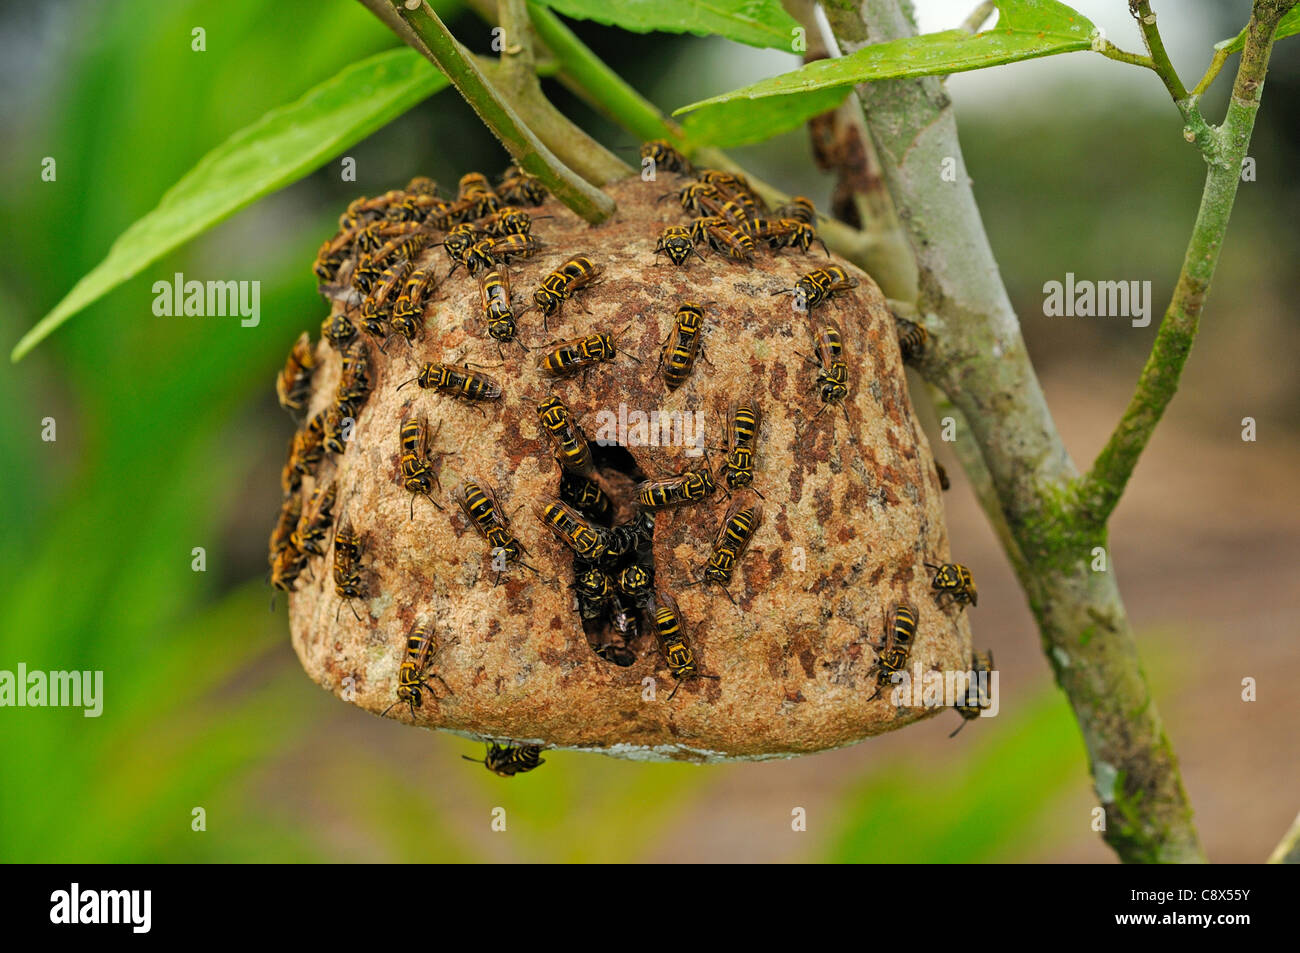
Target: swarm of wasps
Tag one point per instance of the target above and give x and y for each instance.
(384, 269)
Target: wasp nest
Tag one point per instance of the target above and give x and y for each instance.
(457, 558)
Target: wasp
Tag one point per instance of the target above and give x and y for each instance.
(472, 184)
(464, 384)
(575, 530)
(422, 185)
(670, 632)
(506, 761)
(314, 523)
(519, 188)
(723, 237)
(507, 220)
(738, 528)
(692, 486)
(799, 208)
(637, 584)
(568, 357)
(417, 207)
(976, 698)
(585, 495)
(697, 198)
(676, 242)
(743, 420)
(329, 259)
(413, 674)
(337, 429)
(683, 345)
(833, 378)
(571, 447)
(739, 212)
(494, 293)
(290, 475)
(362, 210)
(286, 566)
(418, 477)
(479, 504)
(282, 537)
(912, 339)
(293, 386)
(955, 580)
(354, 379)
(408, 311)
(377, 266)
(942, 474)
(488, 252)
(818, 286)
(347, 571)
(562, 283)
(622, 539)
(459, 240)
(664, 156)
(339, 330)
(308, 447)
(379, 235)
(594, 592)
(892, 654)
(784, 233)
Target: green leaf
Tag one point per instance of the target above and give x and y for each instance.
(1289, 25)
(283, 146)
(1025, 29)
(762, 23)
(740, 123)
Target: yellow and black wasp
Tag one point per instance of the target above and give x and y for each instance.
(458, 241)
(282, 536)
(566, 358)
(594, 592)
(413, 674)
(833, 376)
(739, 525)
(678, 244)
(723, 237)
(670, 632)
(818, 286)
(293, 385)
(977, 697)
(478, 502)
(348, 584)
(800, 209)
(506, 761)
(693, 486)
(354, 381)
(566, 436)
(519, 188)
(494, 293)
(698, 198)
(577, 532)
(423, 185)
(339, 330)
(338, 423)
(638, 534)
(507, 220)
(465, 384)
(562, 283)
(314, 524)
(488, 252)
(308, 448)
(388, 264)
(408, 311)
(784, 233)
(585, 495)
(418, 475)
(286, 566)
(893, 653)
(637, 583)
(665, 156)
(683, 344)
(953, 580)
(743, 420)
(912, 339)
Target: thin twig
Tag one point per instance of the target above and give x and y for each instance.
(1141, 9)
(1288, 848)
(977, 17)
(499, 116)
(1100, 490)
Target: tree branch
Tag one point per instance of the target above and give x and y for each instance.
(977, 357)
(1288, 849)
(524, 146)
(1100, 490)
(1141, 9)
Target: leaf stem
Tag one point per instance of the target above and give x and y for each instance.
(500, 117)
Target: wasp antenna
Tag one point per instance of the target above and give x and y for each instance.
(474, 760)
(384, 713)
(404, 383)
(354, 610)
(958, 728)
(674, 691)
